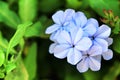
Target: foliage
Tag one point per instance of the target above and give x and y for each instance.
(24, 45)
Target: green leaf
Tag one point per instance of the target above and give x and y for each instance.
(70, 73)
(34, 30)
(74, 3)
(113, 72)
(90, 75)
(2, 57)
(48, 6)
(19, 73)
(73, 76)
(10, 66)
(30, 61)
(10, 1)
(27, 9)
(2, 75)
(4, 44)
(100, 5)
(38, 30)
(116, 43)
(116, 29)
(18, 35)
(45, 22)
(7, 16)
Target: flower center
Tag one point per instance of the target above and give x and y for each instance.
(65, 23)
(87, 55)
(92, 38)
(72, 45)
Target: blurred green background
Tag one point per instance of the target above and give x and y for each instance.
(35, 62)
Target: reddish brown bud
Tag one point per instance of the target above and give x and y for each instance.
(110, 11)
(112, 23)
(116, 18)
(105, 12)
(104, 20)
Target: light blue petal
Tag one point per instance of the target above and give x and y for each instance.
(61, 51)
(51, 48)
(52, 29)
(74, 56)
(109, 40)
(103, 32)
(82, 66)
(62, 54)
(66, 24)
(94, 22)
(103, 43)
(78, 35)
(97, 57)
(108, 55)
(68, 14)
(73, 32)
(84, 53)
(94, 64)
(69, 26)
(61, 47)
(57, 17)
(84, 44)
(54, 36)
(66, 36)
(95, 50)
(80, 19)
(90, 29)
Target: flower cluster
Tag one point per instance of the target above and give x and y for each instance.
(82, 41)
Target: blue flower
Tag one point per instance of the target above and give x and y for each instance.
(90, 59)
(99, 38)
(108, 54)
(70, 45)
(61, 20)
(89, 26)
(80, 40)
